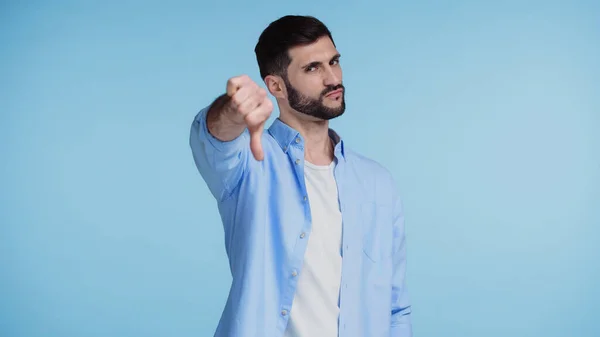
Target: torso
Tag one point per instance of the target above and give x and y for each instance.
(315, 307)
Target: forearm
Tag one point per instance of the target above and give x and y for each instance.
(221, 137)
(220, 121)
(219, 162)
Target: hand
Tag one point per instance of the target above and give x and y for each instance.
(249, 105)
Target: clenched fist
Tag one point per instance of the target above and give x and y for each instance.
(249, 105)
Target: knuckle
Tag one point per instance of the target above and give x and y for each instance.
(238, 108)
(237, 80)
(268, 104)
(250, 119)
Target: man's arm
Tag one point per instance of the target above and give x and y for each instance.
(401, 309)
(221, 132)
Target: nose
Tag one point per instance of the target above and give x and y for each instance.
(332, 76)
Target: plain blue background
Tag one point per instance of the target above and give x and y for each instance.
(487, 113)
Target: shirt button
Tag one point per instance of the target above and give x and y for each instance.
(297, 161)
(283, 312)
(305, 198)
(294, 273)
(284, 148)
(302, 236)
(297, 140)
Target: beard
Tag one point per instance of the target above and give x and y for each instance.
(315, 107)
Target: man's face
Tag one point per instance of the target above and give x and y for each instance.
(314, 80)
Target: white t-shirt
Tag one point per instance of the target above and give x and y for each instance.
(315, 308)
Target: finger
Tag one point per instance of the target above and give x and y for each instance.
(241, 95)
(259, 115)
(256, 121)
(265, 108)
(251, 100)
(255, 142)
(247, 97)
(235, 83)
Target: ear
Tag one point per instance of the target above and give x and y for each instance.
(275, 86)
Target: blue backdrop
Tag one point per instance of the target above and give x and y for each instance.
(494, 108)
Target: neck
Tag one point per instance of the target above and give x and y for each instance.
(318, 146)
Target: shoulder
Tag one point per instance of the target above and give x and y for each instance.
(377, 181)
(366, 165)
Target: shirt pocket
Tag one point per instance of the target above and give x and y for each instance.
(377, 231)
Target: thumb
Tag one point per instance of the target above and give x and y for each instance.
(255, 141)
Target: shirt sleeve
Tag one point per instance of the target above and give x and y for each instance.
(401, 325)
(220, 163)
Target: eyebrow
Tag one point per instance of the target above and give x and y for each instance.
(318, 63)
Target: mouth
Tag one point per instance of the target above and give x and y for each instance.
(335, 94)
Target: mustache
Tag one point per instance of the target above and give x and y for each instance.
(331, 88)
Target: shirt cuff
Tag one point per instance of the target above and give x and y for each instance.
(401, 330)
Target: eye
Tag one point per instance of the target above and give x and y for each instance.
(334, 62)
(310, 69)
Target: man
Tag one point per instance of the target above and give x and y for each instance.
(314, 232)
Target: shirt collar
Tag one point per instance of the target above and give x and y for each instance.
(286, 136)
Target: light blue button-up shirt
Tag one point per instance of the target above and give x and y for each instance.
(267, 223)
